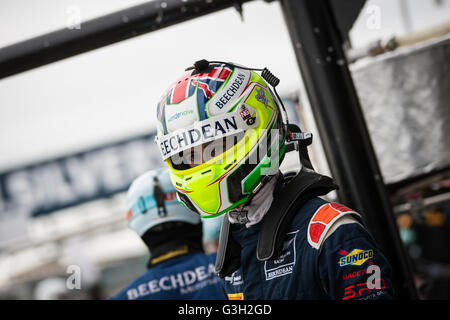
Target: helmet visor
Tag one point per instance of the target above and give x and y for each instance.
(204, 135)
(205, 152)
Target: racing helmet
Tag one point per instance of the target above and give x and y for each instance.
(152, 201)
(220, 131)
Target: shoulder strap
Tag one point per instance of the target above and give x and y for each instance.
(306, 185)
(228, 257)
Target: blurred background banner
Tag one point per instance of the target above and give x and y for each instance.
(13, 226)
(71, 180)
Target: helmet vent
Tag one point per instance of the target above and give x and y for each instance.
(205, 172)
(228, 166)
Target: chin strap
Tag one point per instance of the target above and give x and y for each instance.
(253, 211)
(299, 141)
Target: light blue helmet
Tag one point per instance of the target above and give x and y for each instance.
(152, 200)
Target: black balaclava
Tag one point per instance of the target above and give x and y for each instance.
(173, 239)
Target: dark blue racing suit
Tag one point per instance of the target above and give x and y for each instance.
(186, 277)
(322, 258)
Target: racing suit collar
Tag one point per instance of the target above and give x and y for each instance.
(168, 244)
(252, 213)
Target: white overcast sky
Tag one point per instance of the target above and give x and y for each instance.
(111, 93)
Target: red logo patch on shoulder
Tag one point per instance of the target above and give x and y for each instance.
(323, 219)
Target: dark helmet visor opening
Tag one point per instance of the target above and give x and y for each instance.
(195, 156)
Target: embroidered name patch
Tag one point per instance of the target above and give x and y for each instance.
(284, 264)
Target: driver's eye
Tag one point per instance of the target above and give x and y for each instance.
(193, 157)
(197, 155)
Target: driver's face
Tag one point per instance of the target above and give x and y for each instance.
(195, 156)
(203, 153)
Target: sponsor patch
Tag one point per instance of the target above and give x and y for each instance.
(201, 132)
(235, 279)
(180, 114)
(354, 274)
(355, 258)
(228, 95)
(261, 97)
(250, 119)
(236, 296)
(236, 83)
(284, 264)
(360, 291)
(323, 219)
(231, 91)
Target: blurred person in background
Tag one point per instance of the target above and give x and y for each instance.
(53, 288)
(178, 268)
(211, 234)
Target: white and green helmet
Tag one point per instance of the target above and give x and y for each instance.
(220, 131)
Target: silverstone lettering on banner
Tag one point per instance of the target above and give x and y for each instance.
(56, 184)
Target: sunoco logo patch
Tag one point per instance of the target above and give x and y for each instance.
(355, 258)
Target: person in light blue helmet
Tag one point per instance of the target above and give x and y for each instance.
(178, 268)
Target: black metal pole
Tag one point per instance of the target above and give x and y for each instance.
(103, 31)
(340, 121)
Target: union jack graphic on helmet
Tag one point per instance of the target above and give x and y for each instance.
(207, 82)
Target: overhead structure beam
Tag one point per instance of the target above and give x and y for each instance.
(103, 31)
